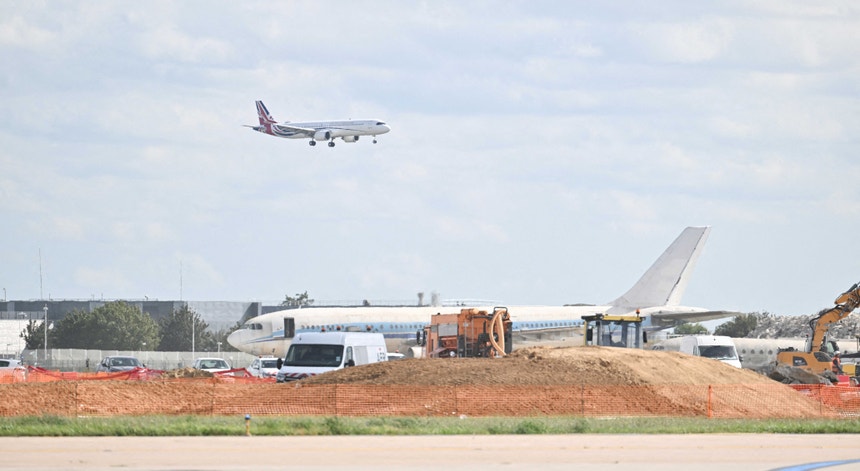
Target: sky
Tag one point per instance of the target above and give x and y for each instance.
(540, 153)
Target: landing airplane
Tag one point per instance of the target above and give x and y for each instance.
(349, 130)
(657, 296)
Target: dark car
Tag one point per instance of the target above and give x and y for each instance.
(118, 363)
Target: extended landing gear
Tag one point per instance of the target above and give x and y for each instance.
(331, 143)
(312, 143)
(374, 139)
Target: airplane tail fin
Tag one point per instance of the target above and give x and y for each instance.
(665, 282)
(263, 114)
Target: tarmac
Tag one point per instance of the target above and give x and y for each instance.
(702, 452)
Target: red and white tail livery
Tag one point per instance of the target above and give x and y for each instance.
(348, 130)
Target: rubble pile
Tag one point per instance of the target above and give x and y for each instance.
(773, 326)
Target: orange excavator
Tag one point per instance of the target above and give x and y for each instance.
(471, 333)
(819, 350)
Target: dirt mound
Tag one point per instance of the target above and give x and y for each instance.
(550, 366)
(532, 381)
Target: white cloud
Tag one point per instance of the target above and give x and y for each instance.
(167, 43)
(686, 42)
(16, 32)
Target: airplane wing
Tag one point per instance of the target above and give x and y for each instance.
(669, 319)
(309, 132)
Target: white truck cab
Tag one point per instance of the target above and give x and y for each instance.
(318, 352)
(717, 347)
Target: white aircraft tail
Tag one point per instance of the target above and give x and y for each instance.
(665, 282)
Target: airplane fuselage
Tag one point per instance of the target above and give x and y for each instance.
(326, 130)
(557, 325)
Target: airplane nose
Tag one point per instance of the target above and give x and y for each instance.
(235, 339)
(386, 129)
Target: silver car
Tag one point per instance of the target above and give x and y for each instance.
(264, 367)
(118, 363)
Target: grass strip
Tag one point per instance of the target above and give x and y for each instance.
(145, 426)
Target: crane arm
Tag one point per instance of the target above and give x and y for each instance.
(845, 305)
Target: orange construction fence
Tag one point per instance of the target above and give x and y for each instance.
(34, 374)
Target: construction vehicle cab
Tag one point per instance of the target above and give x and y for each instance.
(614, 331)
(471, 333)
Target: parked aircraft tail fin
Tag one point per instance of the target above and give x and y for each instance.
(665, 282)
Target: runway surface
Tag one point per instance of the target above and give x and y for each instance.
(449, 453)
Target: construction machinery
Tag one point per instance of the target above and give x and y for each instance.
(817, 357)
(471, 333)
(614, 331)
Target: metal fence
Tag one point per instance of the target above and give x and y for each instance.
(69, 359)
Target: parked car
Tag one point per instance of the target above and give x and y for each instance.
(212, 365)
(114, 364)
(13, 368)
(264, 367)
(10, 364)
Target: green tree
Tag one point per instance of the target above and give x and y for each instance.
(34, 335)
(691, 329)
(740, 326)
(177, 330)
(114, 326)
(300, 300)
(221, 336)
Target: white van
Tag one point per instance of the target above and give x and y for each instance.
(314, 353)
(717, 347)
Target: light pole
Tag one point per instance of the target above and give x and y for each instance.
(46, 334)
(219, 347)
(192, 338)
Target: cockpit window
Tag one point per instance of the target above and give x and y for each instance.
(380, 123)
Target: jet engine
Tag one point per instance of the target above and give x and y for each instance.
(350, 138)
(322, 135)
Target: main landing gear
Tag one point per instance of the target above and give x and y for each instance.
(313, 143)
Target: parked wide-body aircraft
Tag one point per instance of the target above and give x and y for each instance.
(656, 296)
(348, 130)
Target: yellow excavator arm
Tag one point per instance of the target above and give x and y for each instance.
(820, 324)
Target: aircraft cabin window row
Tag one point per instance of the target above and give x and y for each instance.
(545, 325)
(752, 352)
(408, 327)
(368, 327)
